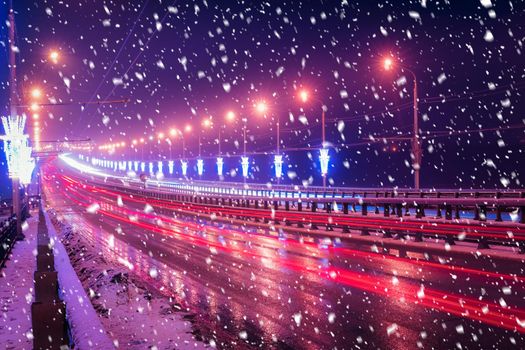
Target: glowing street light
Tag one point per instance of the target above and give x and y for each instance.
(54, 56)
(230, 116)
(261, 107)
(36, 93)
(388, 64)
(303, 96)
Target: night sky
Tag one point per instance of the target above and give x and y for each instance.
(179, 62)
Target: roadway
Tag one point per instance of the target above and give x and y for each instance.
(251, 286)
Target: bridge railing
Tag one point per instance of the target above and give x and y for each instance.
(7, 238)
(495, 206)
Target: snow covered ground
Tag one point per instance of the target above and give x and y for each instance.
(133, 312)
(17, 291)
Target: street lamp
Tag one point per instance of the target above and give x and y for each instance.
(206, 123)
(324, 158)
(36, 93)
(229, 117)
(54, 56)
(388, 64)
(262, 108)
(183, 161)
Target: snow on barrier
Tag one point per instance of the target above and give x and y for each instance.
(86, 329)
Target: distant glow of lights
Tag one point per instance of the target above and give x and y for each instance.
(184, 167)
(159, 165)
(324, 158)
(150, 167)
(220, 165)
(245, 163)
(171, 166)
(136, 166)
(142, 166)
(278, 163)
(187, 128)
(173, 132)
(200, 166)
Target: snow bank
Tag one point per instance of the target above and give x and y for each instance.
(86, 329)
(17, 292)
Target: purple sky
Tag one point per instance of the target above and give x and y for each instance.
(180, 63)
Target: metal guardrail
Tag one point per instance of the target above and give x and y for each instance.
(7, 238)
(332, 192)
(335, 211)
(450, 204)
(242, 209)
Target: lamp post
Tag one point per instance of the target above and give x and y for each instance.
(416, 155)
(183, 161)
(262, 108)
(245, 162)
(324, 158)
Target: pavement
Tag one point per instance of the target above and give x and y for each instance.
(17, 290)
(249, 286)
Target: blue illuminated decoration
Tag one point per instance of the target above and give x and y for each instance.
(136, 165)
(170, 167)
(142, 166)
(278, 164)
(18, 153)
(159, 165)
(150, 166)
(200, 166)
(245, 163)
(220, 165)
(184, 167)
(324, 159)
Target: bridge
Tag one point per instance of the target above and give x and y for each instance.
(52, 148)
(487, 217)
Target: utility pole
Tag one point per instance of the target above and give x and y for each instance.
(416, 145)
(13, 101)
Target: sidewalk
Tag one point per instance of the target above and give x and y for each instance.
(17, 290)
